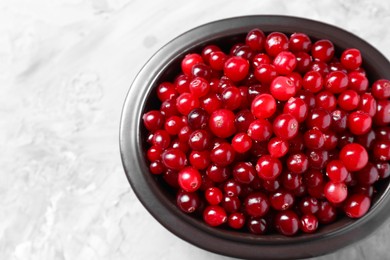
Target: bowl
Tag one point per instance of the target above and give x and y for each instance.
(160, 202)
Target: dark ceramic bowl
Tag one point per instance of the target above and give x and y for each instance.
(158, 199)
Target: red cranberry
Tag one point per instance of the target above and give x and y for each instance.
(189, 61)
(303, 62)
(199, 159)
(236, 220)
(351, 59)
(299, 42)
(297, 163)
(312, 81)
(282, 200)
(265, 73)
(244, 172)
(199, 140)
(335, 192)
(348, 100)
(236, 68)
(173, 158)
(319, 118)
(323, 50)
(285, 62)
(336, 82)
(357, 82)
(381, 150)
(277, 147)
(287, 222)
(258, 226)
(382, 115)
(357, 205)
(282, 88)
(165, 91)
(256, 204)
(309, 223)
(326, 100)
(217, 60)
(187, 201)
(189, 179)
(186, 102)
(275, 43)
(383, 169)
(198, 119)
(214, 215)
(359, 123)
(263, 106)
(368, 175)
(297, 108)
(327, 213)
(354, 156)
(339, 121)
(309, 205)
(241, 143)
(260, 130)
(336, 171)
(268, 168)
(314, 139)
(261, 58)
(255, 39)
(285, 126)
(217, 173)
(153, 120)
(380, 89)
(221, 123)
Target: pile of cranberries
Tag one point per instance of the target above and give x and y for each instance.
(274, 134)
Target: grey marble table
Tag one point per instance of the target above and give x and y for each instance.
(65, 68)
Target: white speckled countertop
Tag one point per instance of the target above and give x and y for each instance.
(65, 68)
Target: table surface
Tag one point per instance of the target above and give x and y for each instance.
(65, 69)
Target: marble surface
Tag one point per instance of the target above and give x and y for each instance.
(65, 68)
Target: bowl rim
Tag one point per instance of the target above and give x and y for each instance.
(220, 241)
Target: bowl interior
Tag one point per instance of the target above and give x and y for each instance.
(159, 199)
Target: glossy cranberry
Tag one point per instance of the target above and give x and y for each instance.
(199, 87)
(285, 126)
(281, 200)
(236, 68)
(291, 181)
(367, 104)
(287, 222)
(368, 175)
(323, 50)
(153, 120)
(255, 39)
(275, 43)
(241, 143)
(243, 119)
(335, 192)
(357, 82)
(244, 172)
(367, 140)
(271, 185)
(222, 155)
(231, 98)
(314, 139)
(265, 73)
(173, 158)
(154, 153)
(382, 115)
(214, 215)
(201, 70)
(186, 102)
(348, 100)
(381, 151)
(189, 179)
(282, 88)
(221, 123)
(317, 158)
(210, 102)
(184, 134)
(161, 138)
(330, 141)
(256, 204)
(258, 226)
(354, 156)
(157, 167)
(326, 100)
(351, 59)
(199, 140)
(260, 130)
(336, 171)
(173, 125)
(217, 173)
(189, 61)
(319, 118)
(236, 220)
(382, 133)
(309, 223)
(268, 168)
(309, 205)
(187, 201)
(263, 106)
(168, 108)
(182, 83)
(199, 159)
(198, 119)
(245, 52)
(380, 89)
(207, 51)
(165, 91)
(297, 108)
(327, 213)
(303, 62)
(359, 123)
(260, 58)
(277, 147)
(312, 81)
(296, 144)
(339, 121)
(357, 205)
(217, 60)
(285, 62)
(313, 178)
(336, 65)
(231, 204)
(336, 82)
(345, 138)
(299, 42)
(297, 163)
(383, 169)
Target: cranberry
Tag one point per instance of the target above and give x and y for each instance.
(285, 126)
(153, 120)
(277, 147)
(260, 130)
(255, 39)
(188, 201)
(381, 151)
(244, 172)
(359, 123)
(297, 163)
(199, 140)
(320, 67)
(336, 82)
(354, 156)
(199, 159)
(165, 91)
(217, 60)
(189, 179)
(275, 43)
(285, 62)
(368, 175)
(357, 205)
(291, 181)
(326, 100)
(182, 83)
(282, 88)
(198, 119)
(217, 173)
(236, 220)
(265, 73)
(299, 42)
(256, 204)
(335, 192)
(383, 169)
(199, 87)
(287, 222)
(186, 102)
(319, 118)
(297, 108)
(261, 58)
(268, 168)
(282, 200)
(351, 59)
(309, 205)
(309, 223)
(263, 106)
(258, 226)
(241, 143)
(357, 82)
(161, 139)
(380, 89)
(348, 100)
(323, 50)
(236, 68)
(312, 81)
(303, 62)
(173, 158)
(327, 212)
(339, 121)
(382, 115)
(336, 171)
(314, 139)
(214, 215)
(221, 123)
(317, 158)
